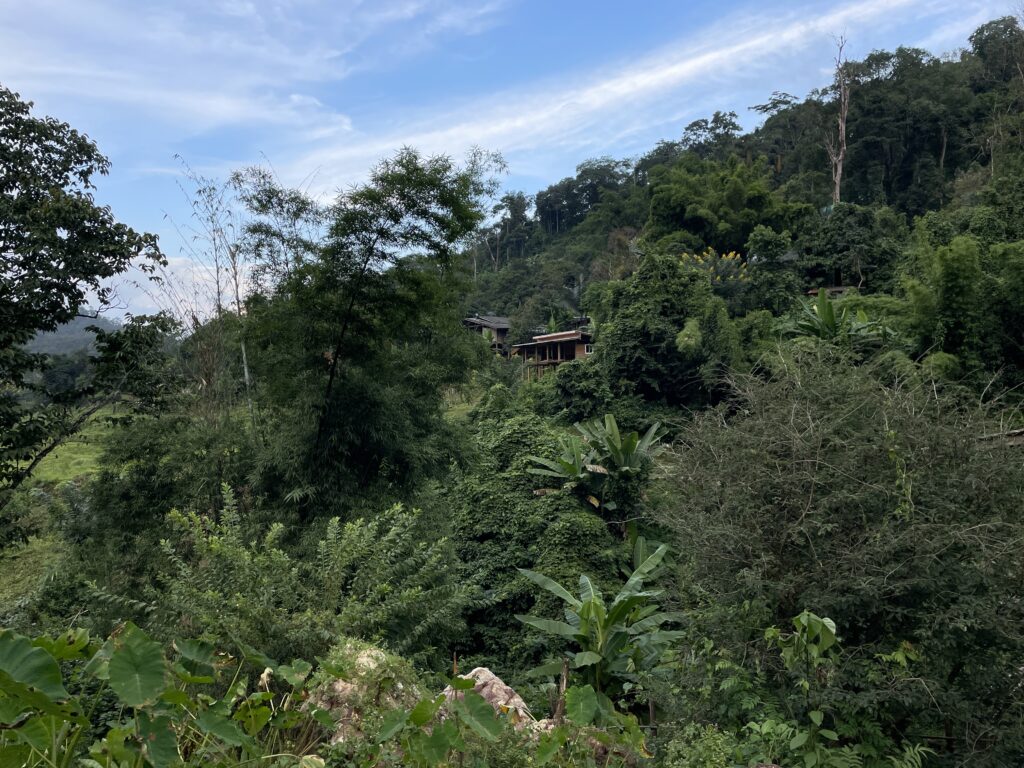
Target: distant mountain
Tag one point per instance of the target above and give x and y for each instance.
(71, 337)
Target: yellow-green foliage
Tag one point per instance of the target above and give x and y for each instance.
(78, 457)
(385, 579)
(719, 267)
(25, 569)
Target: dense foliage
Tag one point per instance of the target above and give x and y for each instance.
(774, 518)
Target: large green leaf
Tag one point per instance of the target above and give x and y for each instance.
(30, 674)
(99, 665)
(478, 715)
(15, 754)
(394, 721)
(549, 744)
(586, 659)
(654, 621)
(550, 668)
(295, 674)
(215, 724)
(197, 651)
(12, 711)
(137, 668)
(587, 589)
(625, 605)
(159, 741)
(36, 731)
(550, 626)
(581, 704)
(425, 710)
(254, 656)
(551, 586)
(636, 581)
(67, 646)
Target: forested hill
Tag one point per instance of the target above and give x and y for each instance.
(933, 150)
(761, 506)
(70, 337)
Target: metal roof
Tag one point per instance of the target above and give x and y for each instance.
(491, 321)
(548, 338)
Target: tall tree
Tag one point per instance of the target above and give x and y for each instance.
(835, 144)
(58, 248)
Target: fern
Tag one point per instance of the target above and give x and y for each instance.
(126, 606)
(913, 756)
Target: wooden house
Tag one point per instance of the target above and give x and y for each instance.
(549, 350)
(493, 328)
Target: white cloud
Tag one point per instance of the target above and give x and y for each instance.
(605, 110)
(194, 66)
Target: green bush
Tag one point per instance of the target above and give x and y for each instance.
(388, 580)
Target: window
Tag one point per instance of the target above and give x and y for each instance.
(588, 349)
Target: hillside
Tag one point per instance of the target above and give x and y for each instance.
(70, 337)
(751, 496)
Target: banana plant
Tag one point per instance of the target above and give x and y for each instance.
(824, 319)
(612, 643)
(598, 458)
(572, 463)
(627, 454)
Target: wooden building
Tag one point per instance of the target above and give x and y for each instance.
(493, 328)
(549, 350)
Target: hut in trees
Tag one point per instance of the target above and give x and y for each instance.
(549, 350)
(493, 328)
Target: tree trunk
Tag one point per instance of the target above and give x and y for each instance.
(836, 144)
(246, 375)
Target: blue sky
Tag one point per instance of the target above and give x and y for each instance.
(322, 89)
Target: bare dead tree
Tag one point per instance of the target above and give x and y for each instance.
(835, 142)
(220, 269)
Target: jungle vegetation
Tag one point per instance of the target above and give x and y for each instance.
(775, 518)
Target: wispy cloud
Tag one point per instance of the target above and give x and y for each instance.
(199, 66)
(604, 110)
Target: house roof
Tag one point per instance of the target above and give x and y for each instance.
(548, 338)
(488, 321)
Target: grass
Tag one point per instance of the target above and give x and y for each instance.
(25, 568)
(77, 457)
(459, 411)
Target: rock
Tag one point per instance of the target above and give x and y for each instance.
(370, 683)
(500, 696)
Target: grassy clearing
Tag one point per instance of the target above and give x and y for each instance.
(459, 411)
(25, 568)
(77, 457)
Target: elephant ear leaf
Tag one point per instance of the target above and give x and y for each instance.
(29, 674)
(581, 704)
(137, 668)
(475, 712)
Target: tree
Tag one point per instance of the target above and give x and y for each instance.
(698, 204)
(712, 138)
(820, 487)
(58, 248)
(365, 315)
(835, 143)
(640, 322)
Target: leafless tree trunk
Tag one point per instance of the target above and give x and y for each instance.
(835, 144)
(236, 281)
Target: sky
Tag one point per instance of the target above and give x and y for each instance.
(322, 89)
